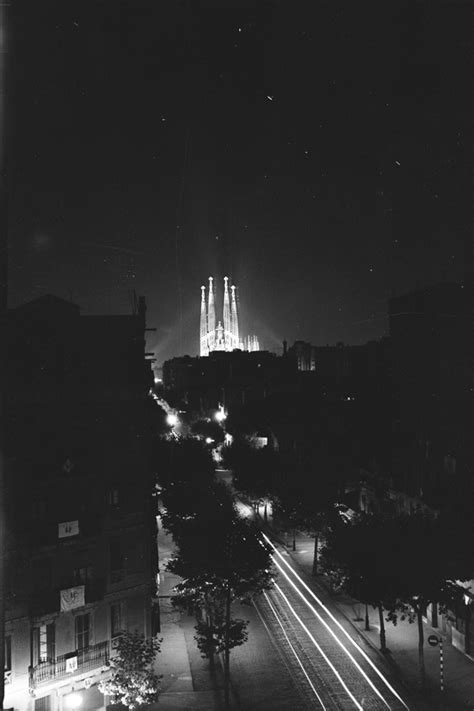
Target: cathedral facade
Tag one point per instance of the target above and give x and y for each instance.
(225, 336)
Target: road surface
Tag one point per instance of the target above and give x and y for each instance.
(329, 665)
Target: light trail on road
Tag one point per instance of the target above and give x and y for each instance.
(336, 622)
(336, 639)
(321, 653)
(295, 653)
(320, 650)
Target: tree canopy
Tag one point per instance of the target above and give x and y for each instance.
(221, 559)
(133, 683)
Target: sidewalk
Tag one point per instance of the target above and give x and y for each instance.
(260, 680)
(402, 641)
(187, 681)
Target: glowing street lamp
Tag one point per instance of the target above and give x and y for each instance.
(172, 419)
(73, 701)
(220, 415)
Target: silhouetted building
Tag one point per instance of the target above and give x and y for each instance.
(229, 379)
(432, 332)
(81, 555)
(305, 355)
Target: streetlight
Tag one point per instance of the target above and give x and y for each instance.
(73, 701)
(220, 415)
(172, 419)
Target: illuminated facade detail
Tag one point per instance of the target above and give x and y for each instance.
(252, 344)
(211, 317)
(226, 336)
(235, 318)
(228, 333)
(203, 329)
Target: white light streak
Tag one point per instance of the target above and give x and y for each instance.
(292, 649)
(325, 657)
(332, 633)
(329, 613)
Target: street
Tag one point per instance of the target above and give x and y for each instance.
(331, 669)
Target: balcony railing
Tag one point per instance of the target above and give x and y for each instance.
(89, 658)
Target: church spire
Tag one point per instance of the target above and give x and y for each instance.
(227, 321)
(234, 321)
(211, 316)
(203, 330)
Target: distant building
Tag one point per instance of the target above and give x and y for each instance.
(228, 379)
(80, 552)
(305, 355)
(222, 337)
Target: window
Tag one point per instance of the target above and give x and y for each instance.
(8, 652)
(43, 704)
(43, 643)
(82, 631)
(117, 561)
(450, 464)
(81, 576)
(114, 498)
(38, 512)
(116, 619)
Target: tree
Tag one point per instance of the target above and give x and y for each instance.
(183, 461)
(206, 428)
(186, 508)
(429, 557)
(186, 480)
(212, 635)
(133, 683)
(221, 559)
(254, 472)
(356, 556)
(307, 499)
(399, 564)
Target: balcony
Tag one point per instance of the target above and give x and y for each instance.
(88, 659)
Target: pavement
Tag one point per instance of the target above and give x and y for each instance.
(259, 679)
(188, 681)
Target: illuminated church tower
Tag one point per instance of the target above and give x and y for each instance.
(203, 330)
(223, 337)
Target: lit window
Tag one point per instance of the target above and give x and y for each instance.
(114, 498)
(43, 643)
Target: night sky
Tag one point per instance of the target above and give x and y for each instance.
(319, 153)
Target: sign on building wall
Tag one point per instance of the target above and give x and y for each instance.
(71, 664)
(71, 598)
(68, 528)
